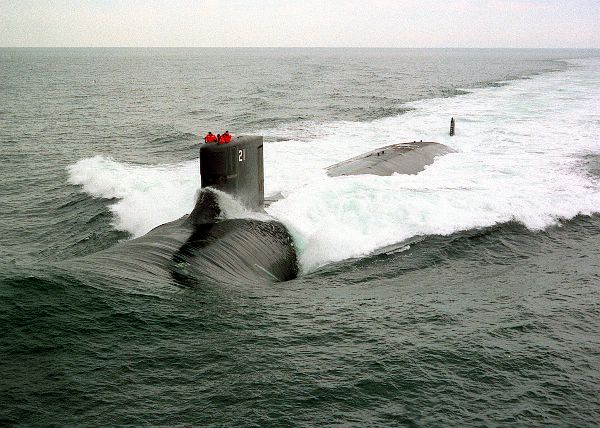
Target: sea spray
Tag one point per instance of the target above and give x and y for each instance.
(519, 149)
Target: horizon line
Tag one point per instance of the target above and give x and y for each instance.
(289, 47)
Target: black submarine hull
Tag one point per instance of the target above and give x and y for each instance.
(233, 248)
(237, 250)
(404, 158)
(205, 247)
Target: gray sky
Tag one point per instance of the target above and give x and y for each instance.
(326, 23)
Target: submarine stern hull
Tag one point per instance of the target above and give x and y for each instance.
(404, 158)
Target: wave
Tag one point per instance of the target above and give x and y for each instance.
(147, 196)
(518, 160)
(519, 149)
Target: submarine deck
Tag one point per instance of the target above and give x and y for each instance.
(402, 158)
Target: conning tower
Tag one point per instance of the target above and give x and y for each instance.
(235, 168)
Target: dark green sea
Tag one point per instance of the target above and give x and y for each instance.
(488, 316)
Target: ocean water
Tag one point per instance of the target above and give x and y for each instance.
(488, 314)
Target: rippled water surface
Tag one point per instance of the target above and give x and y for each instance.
(488, 316)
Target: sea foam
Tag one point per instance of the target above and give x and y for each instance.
(519, 158)
(147, 196)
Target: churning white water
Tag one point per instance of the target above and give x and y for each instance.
(520, 151)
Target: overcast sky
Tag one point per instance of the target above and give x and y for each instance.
(324, 23)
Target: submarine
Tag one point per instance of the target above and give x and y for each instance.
(206, 245)
(237, 169)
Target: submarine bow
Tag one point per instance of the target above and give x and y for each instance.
(232, 248)
(205, 247)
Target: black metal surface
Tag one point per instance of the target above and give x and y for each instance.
(235, 168)
(406, 158)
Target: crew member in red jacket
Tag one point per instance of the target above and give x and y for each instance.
(225, 138)
(210, 138)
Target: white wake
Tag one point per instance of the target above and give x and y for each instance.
(519, 157)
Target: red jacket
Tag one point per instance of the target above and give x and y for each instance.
(226, 138)
(210, 138)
